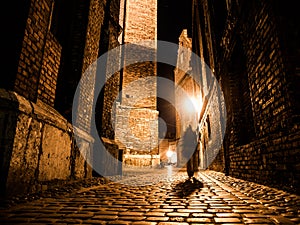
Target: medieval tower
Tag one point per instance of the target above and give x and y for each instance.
(136, 124)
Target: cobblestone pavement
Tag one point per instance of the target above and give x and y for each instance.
(162, 197)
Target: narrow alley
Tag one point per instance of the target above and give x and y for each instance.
(158, 112)
(164, 198)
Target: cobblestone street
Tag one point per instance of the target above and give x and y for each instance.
(162, 196)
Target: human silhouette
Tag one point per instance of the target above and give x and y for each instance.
(190, 151)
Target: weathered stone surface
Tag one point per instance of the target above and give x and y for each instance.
(55, 155)
(38, 146)
(24, 156)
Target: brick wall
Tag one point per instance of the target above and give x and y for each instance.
(112, 83)
(37, 142)
(136, 124)
(132, 91)
(34, 44)
(255, 73)
(267, 76)
(137, 129)
(49, 71)
(141, 20)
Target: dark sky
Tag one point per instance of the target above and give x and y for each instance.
(173, 17)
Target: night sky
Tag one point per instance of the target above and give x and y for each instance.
(173, 17)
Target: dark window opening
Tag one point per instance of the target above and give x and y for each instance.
(69, 26)
(208, 126)
(241, 100)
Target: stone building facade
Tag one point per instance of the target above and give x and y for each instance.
(251, 47)
(200, 105)
(186, 91)
(136, 124)
(51, 45)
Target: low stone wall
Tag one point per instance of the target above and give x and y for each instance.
(141, 160)
(36, 146)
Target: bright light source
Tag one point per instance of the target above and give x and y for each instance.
(169, 153)
(197, 102)
(193, 104)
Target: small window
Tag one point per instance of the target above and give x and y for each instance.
(208, 126)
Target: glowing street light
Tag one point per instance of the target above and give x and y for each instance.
(169, 153)
(193, 104)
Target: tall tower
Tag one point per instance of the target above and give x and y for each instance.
(137, 116)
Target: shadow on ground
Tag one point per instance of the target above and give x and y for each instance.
(188, 187)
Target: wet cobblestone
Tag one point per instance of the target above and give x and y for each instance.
(161, 197)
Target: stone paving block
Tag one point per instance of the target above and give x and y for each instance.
(177, 214)
(157, 218)
(228, 215)
(177, 219)
(132, 218)
(116, 209)
(118, 222)
(93, 222)
(173, 207)
(218, 210)
(143, 223)
(130, 213)
(227, 220)
(172, 223)
(209, 215)
(252, 215)
(195, 210)
(196, 207)
(155, 214)
(105, 217)
(257, 221)
(140, 210)
(199, 220)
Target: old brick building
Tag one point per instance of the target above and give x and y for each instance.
(50, 45)
(253, 50)
(137, 116)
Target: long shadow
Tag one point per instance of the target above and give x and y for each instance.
(186, 188)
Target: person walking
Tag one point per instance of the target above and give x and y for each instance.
(190, 149)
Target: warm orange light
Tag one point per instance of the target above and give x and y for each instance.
(193, 104)
(169, 153)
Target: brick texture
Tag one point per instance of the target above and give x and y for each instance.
(255, 65)
(32, 53)
(136, 122)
